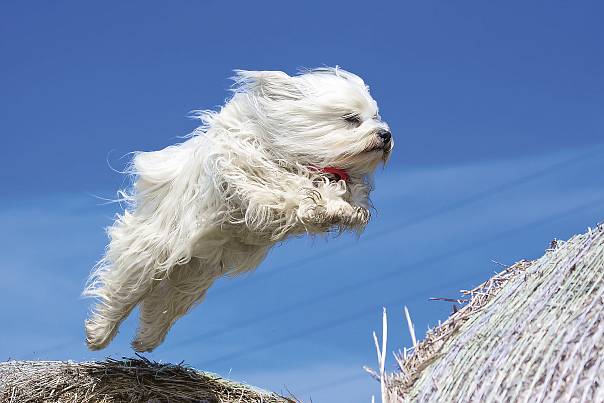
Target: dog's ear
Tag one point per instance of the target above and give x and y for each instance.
(274, 85)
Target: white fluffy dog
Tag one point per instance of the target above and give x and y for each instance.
(285, 156)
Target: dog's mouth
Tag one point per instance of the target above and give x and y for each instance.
(378, 148)
(378, 144)
(378, 152)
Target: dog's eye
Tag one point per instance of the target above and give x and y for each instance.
(353, 119)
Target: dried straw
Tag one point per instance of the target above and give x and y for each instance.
(128, 380)
(532, 333)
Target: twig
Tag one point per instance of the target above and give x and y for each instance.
(459, 301)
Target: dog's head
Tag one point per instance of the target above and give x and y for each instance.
(324, 118)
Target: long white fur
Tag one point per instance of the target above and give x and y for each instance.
(247, 178)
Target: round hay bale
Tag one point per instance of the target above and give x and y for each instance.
(533, 333)
(128, 380)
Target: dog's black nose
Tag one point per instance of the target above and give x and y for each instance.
(385, 135)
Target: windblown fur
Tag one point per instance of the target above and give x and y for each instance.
(251, 175)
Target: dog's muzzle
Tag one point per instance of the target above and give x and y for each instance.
(386, 138)
(381, 142)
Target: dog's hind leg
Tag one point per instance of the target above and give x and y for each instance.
(185, 286)
(119, 293)
(125, 275)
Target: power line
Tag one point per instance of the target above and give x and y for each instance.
(480, 195)
(348, 318)
(335, 382)
(299, 334)
(369, 237)
(300, 304)
(401, 270)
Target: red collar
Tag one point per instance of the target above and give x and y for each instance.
(340, 174)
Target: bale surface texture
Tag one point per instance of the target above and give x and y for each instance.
(129, 380)
(533, 333)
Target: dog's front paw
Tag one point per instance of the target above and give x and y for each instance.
(312, 210)
(313, 215)
(343, 213)
(335, 213)
(360, 216)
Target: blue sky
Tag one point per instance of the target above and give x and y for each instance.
(497, 114)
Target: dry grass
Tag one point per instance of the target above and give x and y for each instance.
(128, 380)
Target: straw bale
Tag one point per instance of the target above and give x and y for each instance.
(127, 380)
(532, 333)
